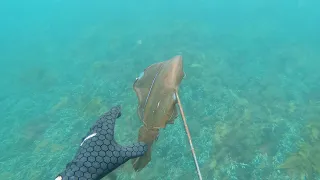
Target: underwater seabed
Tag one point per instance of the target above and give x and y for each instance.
(251, 116)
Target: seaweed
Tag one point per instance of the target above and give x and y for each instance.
(313, 130)
(305, 163)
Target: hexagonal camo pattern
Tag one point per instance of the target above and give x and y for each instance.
(99, 154)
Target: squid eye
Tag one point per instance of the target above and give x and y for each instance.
(174, 97)
(140, 76)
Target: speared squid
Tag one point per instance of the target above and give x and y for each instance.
(157, 91)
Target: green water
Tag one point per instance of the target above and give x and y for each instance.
(251, 92)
